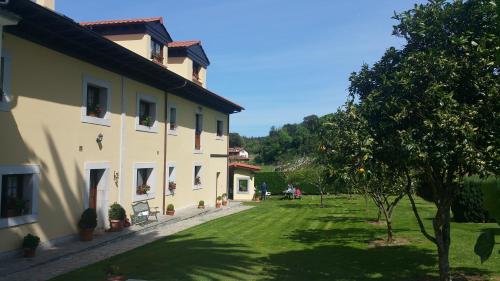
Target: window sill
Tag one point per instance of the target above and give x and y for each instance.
(220, 138)
(142, 128)
(144, 197)
(14, 221)
(243, 192)
(196, 187)
(198, 151)
(96, 120)
(172, 132)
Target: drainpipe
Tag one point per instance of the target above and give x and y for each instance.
(227, 162)
(122, 142)
(165, 133)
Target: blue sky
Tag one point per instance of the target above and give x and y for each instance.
(280, 59)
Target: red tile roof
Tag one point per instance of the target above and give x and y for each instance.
(235, 149)
(244, 166)
(104, 22)
(183, 44)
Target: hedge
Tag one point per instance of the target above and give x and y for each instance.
(276, 183)
(468, 203)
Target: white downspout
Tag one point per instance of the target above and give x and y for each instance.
(122, 143)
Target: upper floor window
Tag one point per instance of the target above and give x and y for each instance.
(220, 128)
(18, 194)
(196, 72)
(96, 96)
(198, 130)
(156, 51)
(146, 114)
(5, 94)
(172, 118)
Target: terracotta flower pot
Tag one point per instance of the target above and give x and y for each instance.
(217, 205)
(86, 234)
(117, 278)
(116, 225)
(29, 253)
(201, 206)
(170, 213)
(224, 203)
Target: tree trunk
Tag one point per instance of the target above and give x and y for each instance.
(441, 226)
(321, 199)
(379, 215)
(388, 221)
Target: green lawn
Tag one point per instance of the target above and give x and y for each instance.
(296, 240)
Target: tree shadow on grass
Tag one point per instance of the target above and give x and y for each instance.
(350, 263)
(178, 257)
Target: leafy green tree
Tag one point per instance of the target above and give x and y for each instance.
(347, 152)
(436, 102)
(235, 140)
(311, 174)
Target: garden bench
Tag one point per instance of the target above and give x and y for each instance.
(142, 212)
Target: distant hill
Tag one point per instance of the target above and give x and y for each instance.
(282, 145)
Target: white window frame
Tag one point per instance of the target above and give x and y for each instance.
(106, 120)
(217, 137)
(174, 178)
(174, 131)
(33, 170)
(6, 101)
(138, 126)
(152, 181)
(238, 184)
(196, 187)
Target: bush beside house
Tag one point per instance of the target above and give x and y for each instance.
(468, 203)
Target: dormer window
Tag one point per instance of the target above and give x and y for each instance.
(156, 51)
(196, 72)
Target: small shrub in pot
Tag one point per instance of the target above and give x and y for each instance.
(170, 209)
(224, 199)
(87, 224)
(116, 216)
(30, 243)
(218, 202)
(201, 204)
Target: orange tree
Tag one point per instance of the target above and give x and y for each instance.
(435, 104)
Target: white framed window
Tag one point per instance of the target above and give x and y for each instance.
(197, 176)
(243, 184)
(198, 129)
(19, 187)
(146, 119)
(5, 82)
(171, 187)
(144, 181)
(96, 101)
(219, 129)
(172, 119)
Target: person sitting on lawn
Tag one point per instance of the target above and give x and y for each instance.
(298, 193)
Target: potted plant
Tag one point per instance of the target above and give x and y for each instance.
(15, 206)
(172, 186)
(197, 180)
(201, 204)
(170, 209)
(218, 202)
(147, 121)
(87, 224)
(94, 110)
(30, 243)
(224, 199)
(117, 216)
(256, 196)
(114, 273)
(143, 189)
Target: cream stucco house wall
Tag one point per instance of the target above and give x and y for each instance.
(242, 181)
(82, 128)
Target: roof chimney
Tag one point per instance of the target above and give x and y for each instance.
(51, 4)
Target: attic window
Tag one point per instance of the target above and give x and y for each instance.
(156, 51)
(196, 72)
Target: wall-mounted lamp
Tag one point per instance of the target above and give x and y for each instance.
(99, 140)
